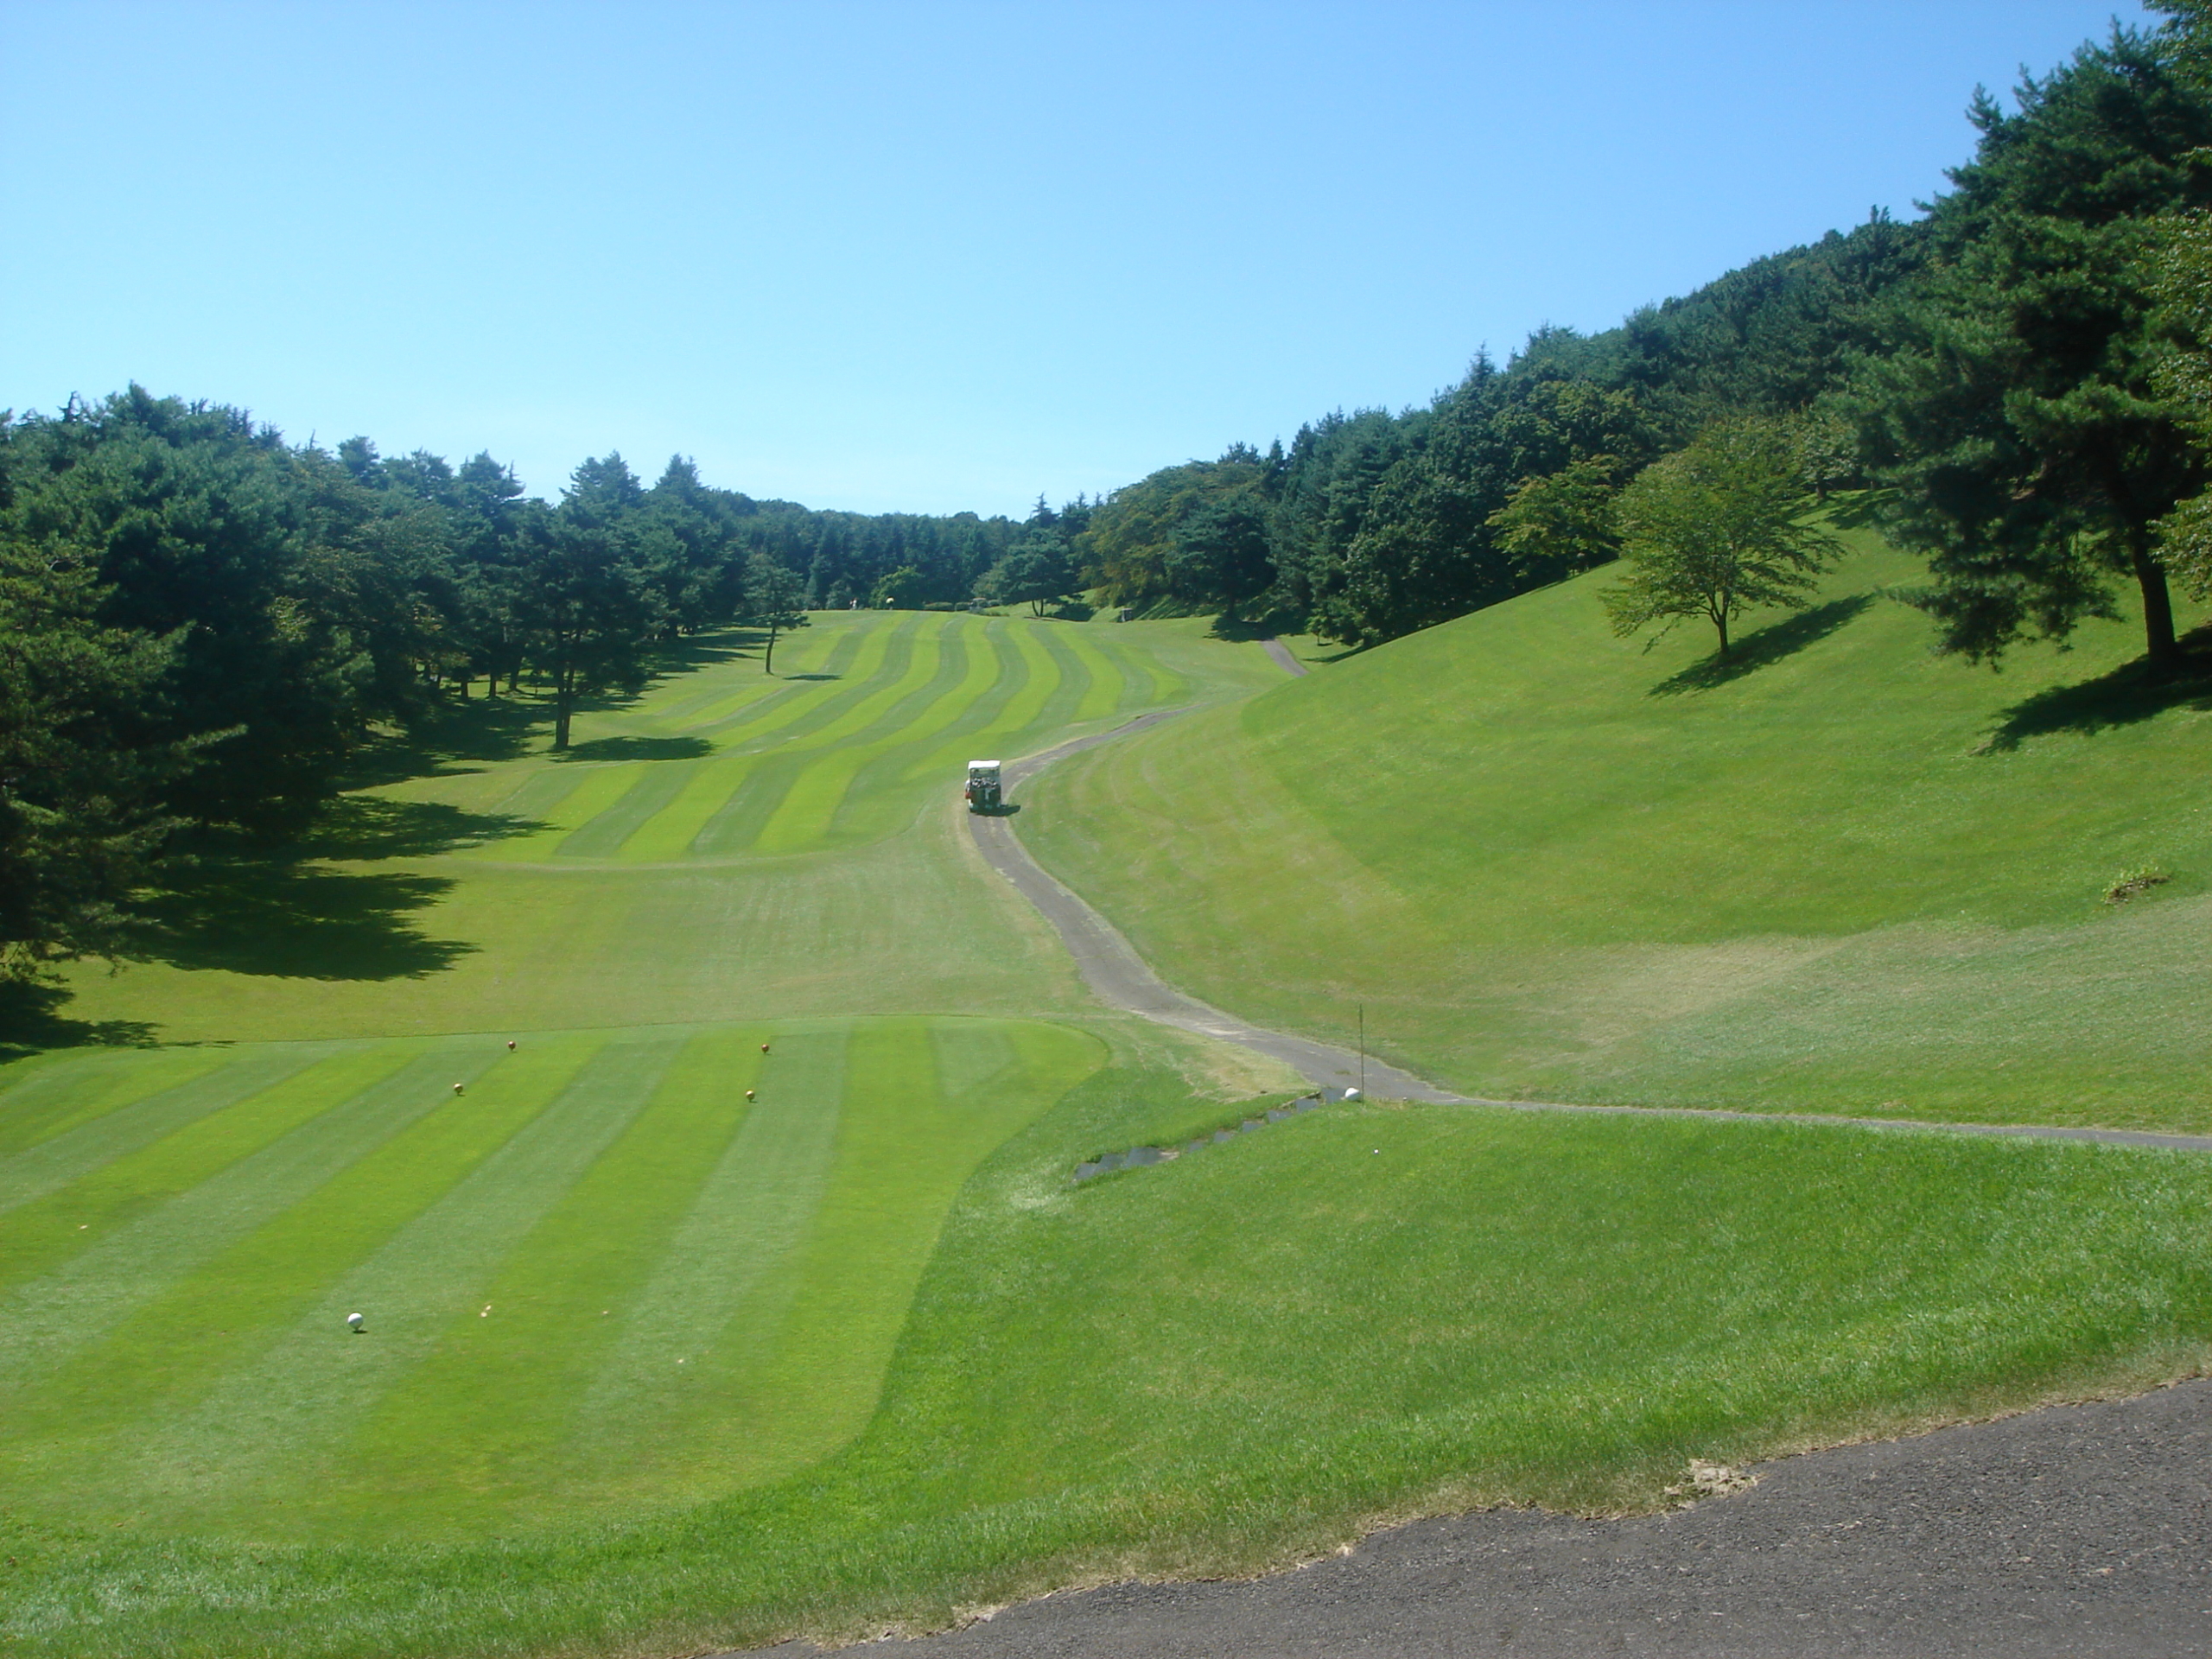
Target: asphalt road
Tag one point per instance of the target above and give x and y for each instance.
(2077, 1531)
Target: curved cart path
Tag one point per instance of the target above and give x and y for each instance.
(2073, 1531)
(1121, 979)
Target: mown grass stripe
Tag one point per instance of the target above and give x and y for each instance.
(601, 787)
(289, 1429)
(694, 674)
(823, 650)
(736, 823)
(1062, 708)
(873, 656)
(1041, 682)
(76, 1149)
(1107, 689)
(1152, 684)
(1010, 671)
(750, 1215)
(909, 666)
(806, 1365)
(669, 833)
(743, 824)
(193, 1207)
(603, 835)
(812, 810)
(66, 1092)
(1168, 687)
(486, 1424)
(75, 1214)
(538, 795)
(121, 1395)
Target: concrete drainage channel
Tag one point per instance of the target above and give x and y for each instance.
(1145, 1157)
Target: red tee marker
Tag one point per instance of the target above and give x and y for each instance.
(510, 1042)
(764, 1048)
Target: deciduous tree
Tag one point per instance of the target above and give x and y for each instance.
(1716, 529)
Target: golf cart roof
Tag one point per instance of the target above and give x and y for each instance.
(982, 766)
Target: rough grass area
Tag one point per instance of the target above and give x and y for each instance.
(1227, 1362)
(1829, 873)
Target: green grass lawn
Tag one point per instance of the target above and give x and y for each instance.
(598, 1281)
(650, 1367)
(1222, 1363)
(1839, 875)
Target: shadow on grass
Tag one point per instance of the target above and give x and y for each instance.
(31, 1021)
(246, 907)
(1238, 632)
(809, 676)
(2128, 694)
(705, 649)
(484, 730)
(639, 748)
(272, 915)
(1765, 646)
(366, 827)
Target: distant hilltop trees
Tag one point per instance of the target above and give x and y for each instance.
(2019, 380)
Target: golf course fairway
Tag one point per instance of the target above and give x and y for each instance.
(729, 842)
(690, 1118)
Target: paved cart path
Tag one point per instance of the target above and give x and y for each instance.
(1121, 979)
(2075, 1531)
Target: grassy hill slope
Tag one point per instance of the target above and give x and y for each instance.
(1837, 874)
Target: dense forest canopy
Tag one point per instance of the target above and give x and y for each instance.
(200, 622)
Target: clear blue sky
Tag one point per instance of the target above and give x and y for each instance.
(917, 256)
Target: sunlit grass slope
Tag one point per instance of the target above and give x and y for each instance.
(1842, 876)
(729, 843)
(597, 1279)
(1233, 1360)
